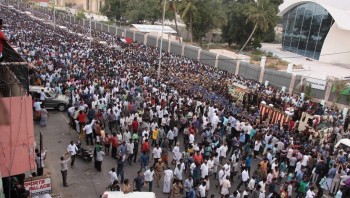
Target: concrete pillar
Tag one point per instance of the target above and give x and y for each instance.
(169, 43)
(183, 50)
(290, 68)
(323, 102)
(217, 61)
(302, 96)
(291, 85)
(237, 67)
(199, 54)
(263, 61)
(262, 72)
(328, 91)
(108, 28)
(145, 39)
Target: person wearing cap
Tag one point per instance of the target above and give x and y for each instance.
(158, 171)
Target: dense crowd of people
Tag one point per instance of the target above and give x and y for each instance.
(184, 128)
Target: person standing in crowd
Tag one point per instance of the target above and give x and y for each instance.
(99, 158)
(168, 176)
(43, 116)
(112, 176)
(158, 171)
(89, 132)
(176, 190)
(39, 160)
(64, 169)
(139, 181)
(72, 150)
(149, 175)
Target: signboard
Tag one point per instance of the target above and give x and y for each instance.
(38, 185)
(317, 83)
(154, 28)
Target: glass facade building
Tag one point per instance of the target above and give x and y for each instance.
(305, 28)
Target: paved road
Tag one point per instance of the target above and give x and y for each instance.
(84, 180)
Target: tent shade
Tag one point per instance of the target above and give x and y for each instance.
(154, 28)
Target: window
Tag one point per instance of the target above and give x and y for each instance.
(305, 28)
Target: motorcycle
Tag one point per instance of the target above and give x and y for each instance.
(84, 153)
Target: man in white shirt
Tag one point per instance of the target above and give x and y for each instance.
(112, 176)
(204, 169)
(72, 150)
(149, 178)
(310, 193)
(191, 138)
(201, 190)
(37, 105)
(178, 172)
(223, 152)
(245, 178)
(156, 153)
(43, 96)
(88, 131)
(168, 176)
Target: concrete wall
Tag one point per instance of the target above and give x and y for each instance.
(105, 28)
(112, 30)
(191, 52)
(165, 46)
(249, 71)
(207, 58)
(152, 40)
(120, 31)
(227, 64)
(276, 78)
(139, 37)
(130, 34)
(176, 48)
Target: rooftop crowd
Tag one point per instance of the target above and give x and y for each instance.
(198, 135)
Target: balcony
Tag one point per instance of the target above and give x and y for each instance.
(14, 72)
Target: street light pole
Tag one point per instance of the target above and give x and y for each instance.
(161, 42)
(90, 31)
(54, 15)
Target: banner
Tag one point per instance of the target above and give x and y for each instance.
(317, 83)
(237, 93)
(38, 185)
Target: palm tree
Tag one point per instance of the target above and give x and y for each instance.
(188, 10)
(173, 9)
(218, 19)
(262, 14)
(338, 87)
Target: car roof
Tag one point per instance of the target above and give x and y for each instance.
(38, 88)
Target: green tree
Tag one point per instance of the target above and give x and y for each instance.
(114, 9)
(262, 14)
(218, 18)
(188, 11)
(338, 86)
(173, 8)
(236, 30)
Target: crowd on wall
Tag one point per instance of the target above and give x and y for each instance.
(185, 126)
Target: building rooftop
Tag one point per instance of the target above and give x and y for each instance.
(312, 68)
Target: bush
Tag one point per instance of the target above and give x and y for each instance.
(80, 15)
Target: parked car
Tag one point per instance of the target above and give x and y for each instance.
(54, 101)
